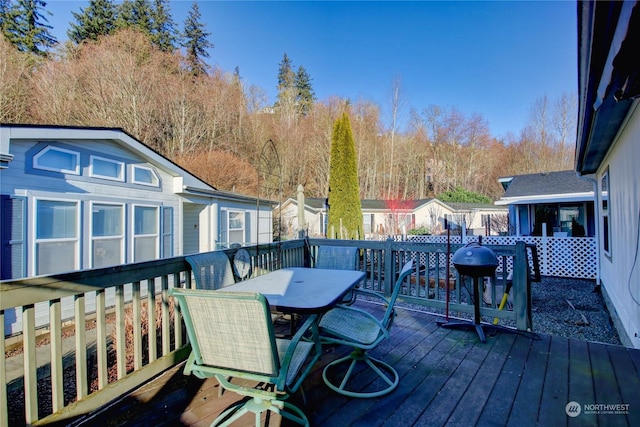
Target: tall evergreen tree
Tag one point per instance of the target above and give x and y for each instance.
(196, 42)
(125, 16)
(97, 19)
(345, 211)
(135, 14)
(286, 102)
(5, 6)
(304, 92)
(27, 28)
(286, 75)
(163, 29)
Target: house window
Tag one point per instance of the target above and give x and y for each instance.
(604, 211)
(57, 160)
(107, 169)
(236, 227)
(167, 232)
(145, 176)
(368, 223)
(323, 223)
(145, 233)
(107, 235)
(56, 239)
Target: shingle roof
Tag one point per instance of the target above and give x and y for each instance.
(547, 183)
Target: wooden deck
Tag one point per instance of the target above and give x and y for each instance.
(448, 377)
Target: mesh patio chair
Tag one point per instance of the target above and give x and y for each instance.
(212, 270)
(339, 258)
(231, 335)
(361, 330)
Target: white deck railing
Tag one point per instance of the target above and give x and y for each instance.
(140, 303)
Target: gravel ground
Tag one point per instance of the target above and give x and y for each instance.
(571, 308)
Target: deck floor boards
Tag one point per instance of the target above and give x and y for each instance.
(447, 378)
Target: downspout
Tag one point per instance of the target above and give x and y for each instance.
(596, 214)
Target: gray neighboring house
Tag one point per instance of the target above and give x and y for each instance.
(561, 200)
(608, 149)
(74, 198)
(77, 197)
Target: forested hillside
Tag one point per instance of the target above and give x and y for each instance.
(161, 91)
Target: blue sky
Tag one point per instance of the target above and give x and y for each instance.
(493, 58)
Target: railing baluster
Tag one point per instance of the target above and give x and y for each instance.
(30, 364)
(81, 346)
(55, 339)
(166, 321)
(151, 307)
(101, 339)
(177, 319)
(136, 326)
(121, 358)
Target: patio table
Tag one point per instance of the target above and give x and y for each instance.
(301, 290)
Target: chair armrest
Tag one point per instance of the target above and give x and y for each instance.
(301, 335)
(369, 293)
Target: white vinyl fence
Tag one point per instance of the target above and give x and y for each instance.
(573, 257)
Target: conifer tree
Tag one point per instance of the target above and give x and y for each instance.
(97, 19)
(5, 6)
(163, 29)
(195, 41)
(125, 16)
(27, 28)
(304, 92)
(135, 14)
(286, 85)
(345, 212)
(142, 12)
(286, 75)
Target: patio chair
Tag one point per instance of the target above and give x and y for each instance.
(231, 335)
(363, 331)
(339, 258)
(212, 270)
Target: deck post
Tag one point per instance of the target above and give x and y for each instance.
(521, 288)
(389, 272)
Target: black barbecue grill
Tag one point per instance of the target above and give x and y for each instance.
(474, 261)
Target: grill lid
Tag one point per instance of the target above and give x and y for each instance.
(475, 260)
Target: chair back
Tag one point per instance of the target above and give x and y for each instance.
(389, 315)
(212, 270)
(230, 330)
(337, 257)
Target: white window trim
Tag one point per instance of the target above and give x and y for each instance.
(78, 239)
(119, 178)
(155, 175)
(48, 148)
(133, 234)
(122, 235)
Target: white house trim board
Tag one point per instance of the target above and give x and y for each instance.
(620, 269)
(547, 198)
